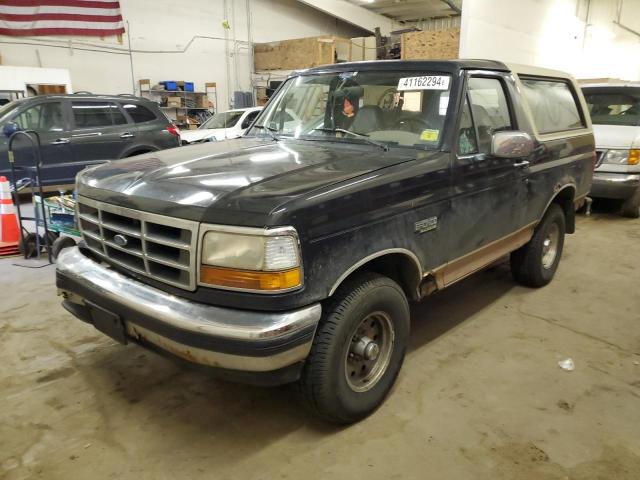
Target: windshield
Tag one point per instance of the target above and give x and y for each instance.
(614, 107)
(223, 120)
(389, 108)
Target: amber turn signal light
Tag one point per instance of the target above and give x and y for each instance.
(634, 157)
(250, 280)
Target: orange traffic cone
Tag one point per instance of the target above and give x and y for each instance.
(9, 231)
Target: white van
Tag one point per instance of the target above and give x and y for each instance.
(615, 113)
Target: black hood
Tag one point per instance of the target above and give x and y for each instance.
(248, 175)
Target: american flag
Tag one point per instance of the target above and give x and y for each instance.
(95, 18)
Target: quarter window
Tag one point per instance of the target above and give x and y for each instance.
(553, 105)
(138, 113)
(43, 117)
(467, 143)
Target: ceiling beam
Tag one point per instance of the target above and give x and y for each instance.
(353, 14)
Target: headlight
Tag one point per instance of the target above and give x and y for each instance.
(264, 261)
(622, 157)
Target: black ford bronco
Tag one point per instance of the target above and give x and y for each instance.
(290, 254)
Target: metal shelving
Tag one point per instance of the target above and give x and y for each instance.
(192, 112)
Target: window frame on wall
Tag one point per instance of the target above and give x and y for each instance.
(576, 99)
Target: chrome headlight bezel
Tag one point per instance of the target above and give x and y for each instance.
(261, 236)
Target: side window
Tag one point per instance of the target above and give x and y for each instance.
(490, 109)
(117, 115)
(250, 118)
(553, 105)
(92, 114)
(138, 113)
(467, 143)
(44, 117)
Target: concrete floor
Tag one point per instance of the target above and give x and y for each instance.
(481, 395)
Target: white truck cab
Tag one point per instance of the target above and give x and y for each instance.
(615, 113)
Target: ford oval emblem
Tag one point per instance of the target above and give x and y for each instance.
(120, 240)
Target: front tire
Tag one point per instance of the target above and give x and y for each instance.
(535, 263)
(631, 206)
(358, 349)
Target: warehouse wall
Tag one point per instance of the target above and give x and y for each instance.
(580, 36)
(165, 44)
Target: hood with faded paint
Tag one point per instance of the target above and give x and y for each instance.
(616, 136)
(237, 181)
(199, 134)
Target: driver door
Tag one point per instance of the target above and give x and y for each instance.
(48, 119)
(489, 197)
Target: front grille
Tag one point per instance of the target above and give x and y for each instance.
(599, 157)
(162, 248)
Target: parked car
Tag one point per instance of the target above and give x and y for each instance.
(82, 129)
(222, 126)
(615, 113)
(290, 254)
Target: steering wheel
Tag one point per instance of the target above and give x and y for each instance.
(413, 124)
(388, 99)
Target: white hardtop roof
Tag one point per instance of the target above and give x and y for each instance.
(538, 71)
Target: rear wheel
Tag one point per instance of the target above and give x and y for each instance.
(631, 206)
(536, 263)
(358, 349)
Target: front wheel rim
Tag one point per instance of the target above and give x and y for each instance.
(369, 351)
(550, 246)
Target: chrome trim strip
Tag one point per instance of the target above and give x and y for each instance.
(179, 312)
(373, 256)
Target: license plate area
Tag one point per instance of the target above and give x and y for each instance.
(107, 322)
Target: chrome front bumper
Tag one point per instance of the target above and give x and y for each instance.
(614, 185)
(225, 338)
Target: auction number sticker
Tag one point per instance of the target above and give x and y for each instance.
(427, 82)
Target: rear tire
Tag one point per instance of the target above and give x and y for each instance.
(535, 263)
(357, 350)
(631, 206)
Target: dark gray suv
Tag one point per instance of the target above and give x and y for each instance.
(83, 129)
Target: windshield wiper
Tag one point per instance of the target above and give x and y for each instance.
(270, 130)
(355, 134)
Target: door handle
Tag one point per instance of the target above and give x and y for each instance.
(524, 163)
(60, 141)
(127, 135)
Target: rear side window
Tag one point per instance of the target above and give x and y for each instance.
(138, 113)
(96, 114)
(553, 105)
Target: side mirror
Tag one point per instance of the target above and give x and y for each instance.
(10, 128)
(512, 144)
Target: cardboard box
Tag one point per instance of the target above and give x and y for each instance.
(202, 101)
(174, 102)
